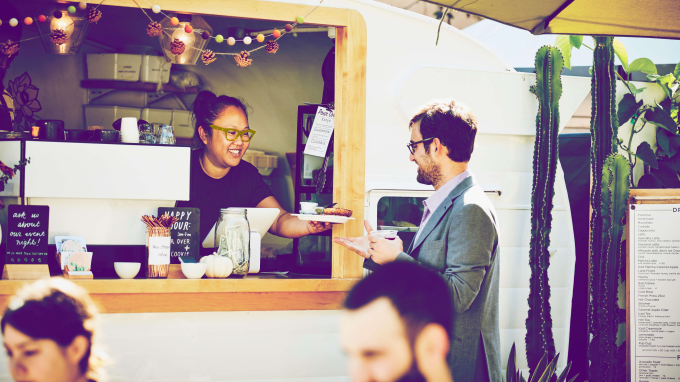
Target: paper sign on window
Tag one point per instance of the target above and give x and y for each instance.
(322, 129)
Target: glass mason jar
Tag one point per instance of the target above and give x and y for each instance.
(232, 238)
(158, 252)
(146, 134)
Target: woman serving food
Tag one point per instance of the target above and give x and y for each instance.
(219, 176)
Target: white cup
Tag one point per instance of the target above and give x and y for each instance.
(307, 208)
(308, 205)
(128, 122)
(385, 234)
(128, 127)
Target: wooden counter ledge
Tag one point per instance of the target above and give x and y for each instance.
(207, 295)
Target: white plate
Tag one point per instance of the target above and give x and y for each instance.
(324, 218)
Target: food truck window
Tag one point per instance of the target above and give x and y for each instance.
(401, 213)
(313, 253)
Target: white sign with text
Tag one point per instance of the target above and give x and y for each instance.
(322, 129)
(655, 281)
(159, 250)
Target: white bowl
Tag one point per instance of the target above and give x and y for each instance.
(194, 270)
(127, 270)
(306, 206)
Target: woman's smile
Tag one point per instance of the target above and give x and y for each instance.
(236, 152)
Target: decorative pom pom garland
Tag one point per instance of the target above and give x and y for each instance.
(155, 29)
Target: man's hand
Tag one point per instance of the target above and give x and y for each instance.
(316, 227)
(381, 250)
(384, 251)
(358, 245)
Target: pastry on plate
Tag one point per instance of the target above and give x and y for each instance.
(337, 212)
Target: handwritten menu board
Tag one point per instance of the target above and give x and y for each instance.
(654, 285)
(322, 129)
(27, 234)
(185, 240)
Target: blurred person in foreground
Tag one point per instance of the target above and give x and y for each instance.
(48, 330)
(396, 326)
(458, 236)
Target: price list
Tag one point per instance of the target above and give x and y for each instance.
(655, 292)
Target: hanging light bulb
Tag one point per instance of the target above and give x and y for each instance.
(187, 38)
(64, 23)
(181, 35)
(74, 25)
(193, 42)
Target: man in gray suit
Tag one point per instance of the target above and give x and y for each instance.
(458, 236)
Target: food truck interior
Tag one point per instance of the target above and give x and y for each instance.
(276, 88)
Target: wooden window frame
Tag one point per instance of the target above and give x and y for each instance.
(350, 100)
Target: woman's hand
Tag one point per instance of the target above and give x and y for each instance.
(316, 227)
(287, 225)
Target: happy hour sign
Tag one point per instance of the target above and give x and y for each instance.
(184, 232)
(27, 236)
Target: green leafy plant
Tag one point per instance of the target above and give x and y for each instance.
(544, 371)
(661, 167)
(548, 90)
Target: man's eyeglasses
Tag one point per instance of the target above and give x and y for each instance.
(232, 134)
(412, 146)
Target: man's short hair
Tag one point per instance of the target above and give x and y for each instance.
(420, 296)
(453, 123)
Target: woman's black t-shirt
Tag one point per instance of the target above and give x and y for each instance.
(243, 186)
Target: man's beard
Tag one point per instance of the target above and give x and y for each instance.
(428, 172)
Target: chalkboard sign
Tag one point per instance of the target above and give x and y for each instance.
(27, 235)
(185, 241)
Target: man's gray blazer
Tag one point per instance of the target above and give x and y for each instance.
(461, 241)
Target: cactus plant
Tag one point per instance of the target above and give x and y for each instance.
(604, 261)
(603, 126)
(548, 90)
(604, 309)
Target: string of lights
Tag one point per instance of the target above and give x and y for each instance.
(60, 35)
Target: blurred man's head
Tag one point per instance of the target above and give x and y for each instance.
(397, 324)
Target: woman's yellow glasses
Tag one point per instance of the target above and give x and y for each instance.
(231, 134)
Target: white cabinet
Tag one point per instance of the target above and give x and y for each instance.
(100, 191)
(107, 171)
